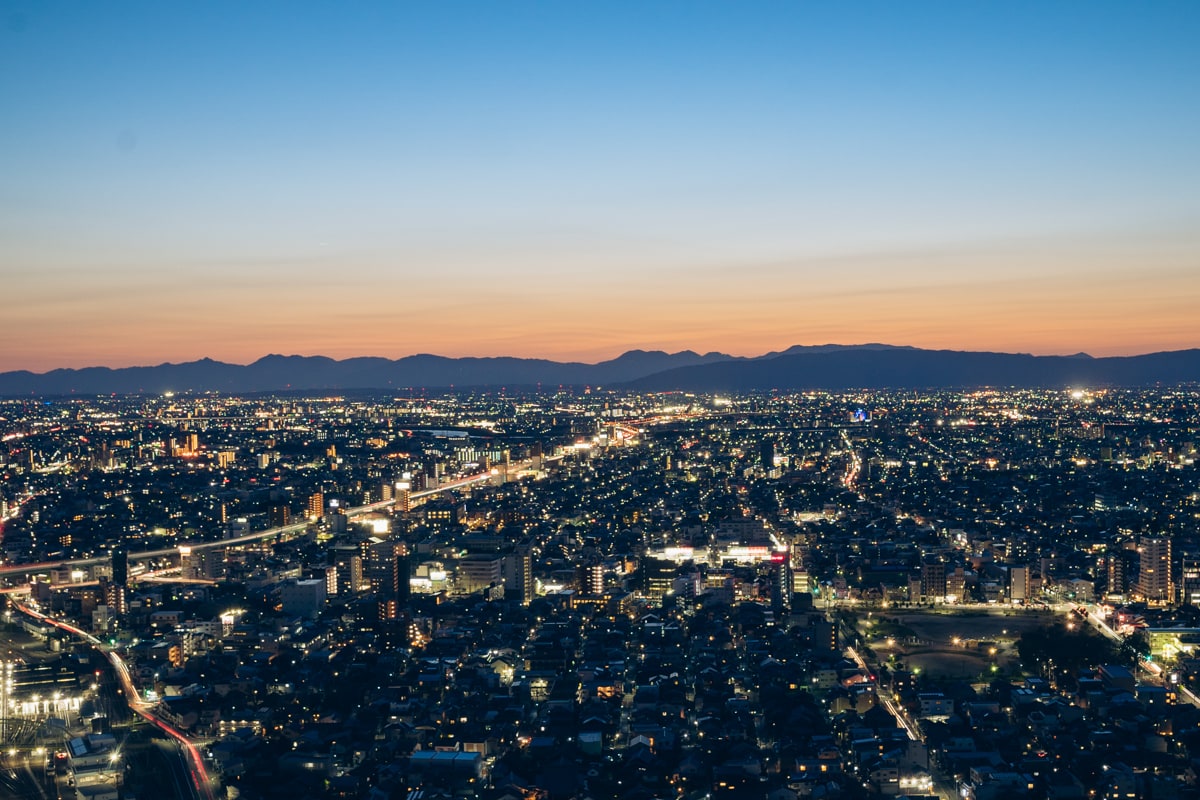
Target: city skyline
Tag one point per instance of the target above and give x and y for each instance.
(570, 183)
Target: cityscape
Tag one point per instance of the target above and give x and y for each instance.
(600, 593)
(599, 400)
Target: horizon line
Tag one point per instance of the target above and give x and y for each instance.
(773, 353)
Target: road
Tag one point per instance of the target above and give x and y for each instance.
(888, 703)
(201, 782)
(942, 787)
(177, 763)
(25, 569)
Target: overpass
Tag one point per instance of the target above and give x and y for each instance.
(295, 527)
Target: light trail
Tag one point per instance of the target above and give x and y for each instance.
(24, 569)
(854, 468)
(883, 698)
(199, 774)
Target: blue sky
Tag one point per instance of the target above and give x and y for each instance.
(574, 179)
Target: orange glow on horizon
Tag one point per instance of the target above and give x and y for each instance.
(1017, 301)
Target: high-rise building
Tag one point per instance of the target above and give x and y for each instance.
(824, 635)
(316, 505)
(401, 575)
(328, 575)
(956, 585)
(517, 571)
(1018, 584)
(379, 566)
(186, 570)
(933, 580)
(114, 597)
(403, 496)
(781, 584)
(279, 515)
(1154, 571)
(766, 451)
(1122, 567)
(390, 610)
(208, 564)
(659, 575)
(591, 578)
(348, 563)
(120, 566)
(1189, 590)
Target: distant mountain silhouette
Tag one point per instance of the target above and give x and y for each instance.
(802, 349)
(801, 367)
(875, 367)
(300, 373)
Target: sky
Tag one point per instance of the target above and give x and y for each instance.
(571, 180)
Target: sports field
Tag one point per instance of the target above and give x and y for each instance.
(953, 643)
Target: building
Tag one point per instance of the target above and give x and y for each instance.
(766, 451)
(591, 578)
(381, 566)
(441, 516)
(1121, 569)
(115, 597)
(349, 565)
(824, 636)
(933, 580)
(1154, 571)
(208, 564)
(518, 576)
(401, 575)
(279, 515)
(956, 585)
(96, 766)
(303, 598)
(1189, 589)
(659, 577)
(120, 566)
(477, 572)
(1018, 584)
(316, 505)
(781, 584)
(403, 497)
(391, 611)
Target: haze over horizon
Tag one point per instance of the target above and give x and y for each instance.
(190, 180)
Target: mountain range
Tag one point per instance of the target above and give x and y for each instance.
(867, 366)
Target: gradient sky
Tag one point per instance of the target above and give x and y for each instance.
(573, 179)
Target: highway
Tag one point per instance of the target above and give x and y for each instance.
(201, 783)
(295, 527)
